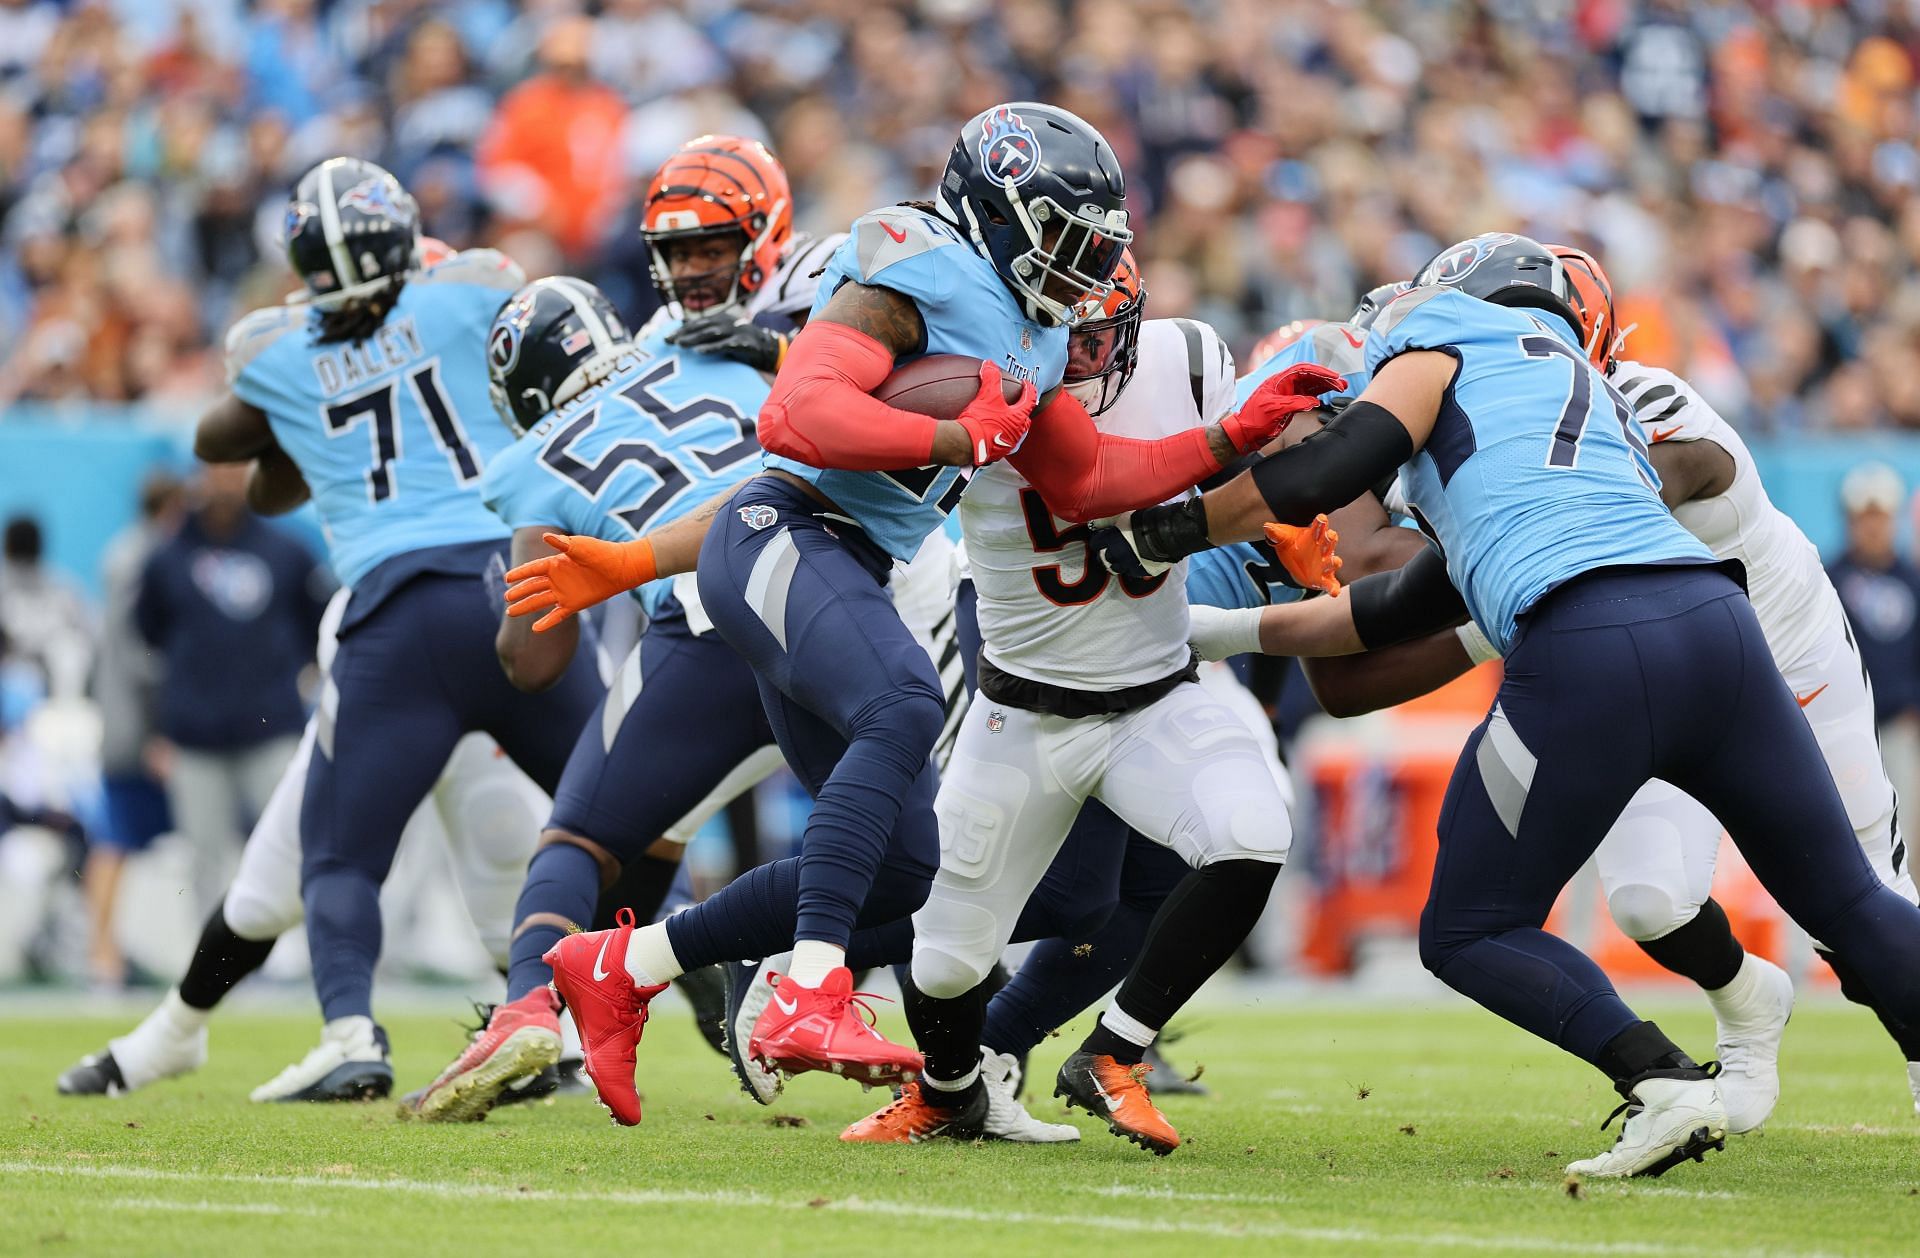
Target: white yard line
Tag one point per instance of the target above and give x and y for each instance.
(730, 1200)
(205, 1207)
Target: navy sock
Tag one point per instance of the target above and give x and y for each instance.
(343, 938)
(642, 886)
(1062, 978)
(749, 918)
(563, 880)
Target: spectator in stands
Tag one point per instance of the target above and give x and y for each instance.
(44, 620)
(231, 604)
(126, 681)
(1881, 593)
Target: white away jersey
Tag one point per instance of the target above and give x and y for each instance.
(789, 294)
(1049, 611)
(1791, 595)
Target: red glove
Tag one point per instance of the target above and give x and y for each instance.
(996, 427)
(1278, 399)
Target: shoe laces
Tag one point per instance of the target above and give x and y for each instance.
(1633, 1105)
(836, 1003)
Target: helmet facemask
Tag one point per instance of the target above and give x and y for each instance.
(1104, 350)
(739, 274)
(1057, 261)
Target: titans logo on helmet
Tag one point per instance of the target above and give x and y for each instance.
(1458, 262)
(375, 196)
(1009, 150)
(298, 212)
(509, 329)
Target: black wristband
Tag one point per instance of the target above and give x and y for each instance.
(1172, 531)
(1407, 603)
(1333, 466)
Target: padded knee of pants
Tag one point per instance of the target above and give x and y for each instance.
(910, 718)
(946, 977)
(255, 913)
(1644, 912)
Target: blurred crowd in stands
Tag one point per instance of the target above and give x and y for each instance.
(1746, 168)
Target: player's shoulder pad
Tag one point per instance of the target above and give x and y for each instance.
(888, 237)
(255, 333)
(1666, 406)
(482, 268)
(1420, 318)
(794, 284)
(1209, 367)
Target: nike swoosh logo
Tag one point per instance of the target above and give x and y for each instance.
(1663, 434)
(1352, 340)
(1810, 696)
(599, 962)
(786, 1006)
(899, 237)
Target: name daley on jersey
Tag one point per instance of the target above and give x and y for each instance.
(396, 343)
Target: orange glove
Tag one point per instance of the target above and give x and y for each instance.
(587, 571)
(1271, 407)
(1307, 553)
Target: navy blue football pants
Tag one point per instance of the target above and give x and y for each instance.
(854, 704)
(682, 713)
(1619, 676)
(407, 682)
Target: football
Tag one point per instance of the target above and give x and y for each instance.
(939, 385)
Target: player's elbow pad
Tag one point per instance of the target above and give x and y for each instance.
(779, 436)
(1407, 603)
(1335, 465)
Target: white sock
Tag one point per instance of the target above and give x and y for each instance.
(650, 956)
(166, 1039)
(961, 1084)
(813, 960)
(1733, 1002)
(1128, 1027)
(179, 1017)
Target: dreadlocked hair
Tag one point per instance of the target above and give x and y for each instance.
(360, 318)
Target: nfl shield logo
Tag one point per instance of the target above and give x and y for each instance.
(758, 516)
(996, 721)
(1026, 340)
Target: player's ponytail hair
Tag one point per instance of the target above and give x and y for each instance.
(356, 320)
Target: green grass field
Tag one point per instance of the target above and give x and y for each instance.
(1333, 1129)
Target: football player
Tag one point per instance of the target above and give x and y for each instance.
(1088, 690)
(1630, 653)
(367, 392)
(1029, 225)
(1656, 865)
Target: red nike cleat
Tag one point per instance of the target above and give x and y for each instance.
(821, 1028)
(590, 973)
(521, 1038)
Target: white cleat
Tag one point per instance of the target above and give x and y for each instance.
(349, 1064)
(1668, 1122)
(1913, 1081)
(1007, 1119)
(1749, 1042)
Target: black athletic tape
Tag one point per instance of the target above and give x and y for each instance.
(1407, 603)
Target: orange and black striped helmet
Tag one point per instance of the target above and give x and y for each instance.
(720, 184)
(1598, 330)
(1105, 346)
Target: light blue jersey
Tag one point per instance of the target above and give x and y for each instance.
(967, 310)
(1339, 347)
(1236, 576)
(667, 431)
(1536, 470)
(390, 433)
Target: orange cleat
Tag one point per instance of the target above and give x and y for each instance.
(590, 973)
(909, 1120)
(520, 1039)
(822, 1028)
(1106, 1089)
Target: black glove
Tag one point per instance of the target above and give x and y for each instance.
(722, 335)
(1113, 544)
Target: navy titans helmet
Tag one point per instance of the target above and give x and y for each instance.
(1375, 301)
(1507, 270)
(552, 340)
(351, 229)
(1040, 194)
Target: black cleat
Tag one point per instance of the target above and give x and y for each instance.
(706, 990)
(1115, 1094)
(96, 1074)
